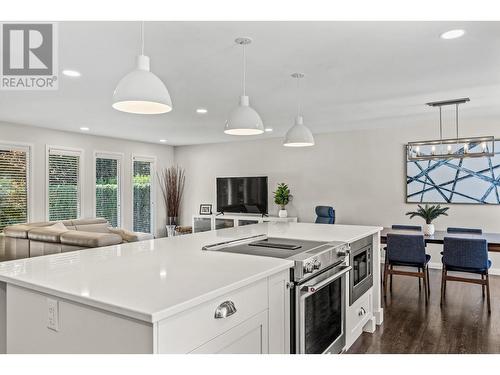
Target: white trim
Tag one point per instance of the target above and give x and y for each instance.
(118, 156)
(29, 148)
(153, 160)
(62, 150)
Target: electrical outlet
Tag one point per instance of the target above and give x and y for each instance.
(53, 314)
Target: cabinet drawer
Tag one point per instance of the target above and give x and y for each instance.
(191, 328)
(357, 316)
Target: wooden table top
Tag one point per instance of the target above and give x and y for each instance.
(438, 237)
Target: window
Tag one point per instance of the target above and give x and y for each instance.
(143, 178)
(14, 181)
(108, 187)
(64, 183)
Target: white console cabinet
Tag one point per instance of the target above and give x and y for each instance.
(204, 223)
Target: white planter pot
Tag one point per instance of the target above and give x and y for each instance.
(282, 213)
(429, 229)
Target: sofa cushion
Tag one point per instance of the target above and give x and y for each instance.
(99, 228)
(98, 220)
(17, 231)
(90, 239)
(58, 226)
(129, 236)
(46, 234)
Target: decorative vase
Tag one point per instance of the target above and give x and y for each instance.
(171, 225)
(429, 229)
(282, 213)
(171, 230)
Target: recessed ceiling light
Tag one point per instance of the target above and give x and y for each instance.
(163, 140)
(201, 110)
(71, 73)
(268, 129)
(453, 34)
(84, 129)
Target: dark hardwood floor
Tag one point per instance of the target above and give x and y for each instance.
(461, 326)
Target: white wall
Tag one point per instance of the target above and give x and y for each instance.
(40, 137)
(360, 173)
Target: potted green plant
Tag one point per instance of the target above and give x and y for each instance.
(282, 197)
(429, 214)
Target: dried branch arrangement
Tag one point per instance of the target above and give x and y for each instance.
(172, 187)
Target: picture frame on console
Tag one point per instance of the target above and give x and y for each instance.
(205, 209)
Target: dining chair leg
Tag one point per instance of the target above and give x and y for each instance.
(425, 285)
(442, 284)
(386, 268)
(488, 292)
(390, 287)
(428, 280)
(419, 287)
(482, 286)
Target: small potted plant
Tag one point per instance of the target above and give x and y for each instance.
(282, 197)
(429, 214)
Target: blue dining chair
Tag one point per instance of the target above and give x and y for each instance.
(407, 227)
(464, 230)
(325, 215)
(406, 250)
(466, 255)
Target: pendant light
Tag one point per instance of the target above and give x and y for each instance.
(141, 91)
(298, 135)
(451, 148)
(244, 120)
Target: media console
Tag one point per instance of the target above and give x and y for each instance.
(204, 223)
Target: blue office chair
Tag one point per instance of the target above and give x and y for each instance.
(468, 255)
(407, 227)
(406, 250)
(325, 215)
(464, 230)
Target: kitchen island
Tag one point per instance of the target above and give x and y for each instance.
(159, 296)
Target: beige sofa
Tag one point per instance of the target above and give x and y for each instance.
(36, 239)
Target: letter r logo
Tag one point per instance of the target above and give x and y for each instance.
(27, 49)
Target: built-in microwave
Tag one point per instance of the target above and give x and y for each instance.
(361, 274)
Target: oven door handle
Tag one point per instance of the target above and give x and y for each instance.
(310, 289)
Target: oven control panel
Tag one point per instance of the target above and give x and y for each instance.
(321, 260)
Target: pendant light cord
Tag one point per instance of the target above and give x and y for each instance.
(456, 117)
(142, 38)
(244, 69)
(440, 126)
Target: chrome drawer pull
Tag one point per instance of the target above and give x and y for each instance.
(225, 310)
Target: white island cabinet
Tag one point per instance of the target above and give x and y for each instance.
(157, 296)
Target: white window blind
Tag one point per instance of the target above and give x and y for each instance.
(64, 184)
(14, 166)
(143, 198)
(107, 189)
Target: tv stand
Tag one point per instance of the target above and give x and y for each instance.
(203, 223)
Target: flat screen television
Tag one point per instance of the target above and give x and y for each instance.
(242, 195)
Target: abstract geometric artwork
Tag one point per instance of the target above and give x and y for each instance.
(467, 180)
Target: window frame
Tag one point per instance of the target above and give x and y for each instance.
(153, 161)
(69, 151)
(119, 156)
(29, 149)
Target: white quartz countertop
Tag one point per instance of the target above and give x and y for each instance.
(151, 280)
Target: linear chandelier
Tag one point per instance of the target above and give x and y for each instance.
(450, 148)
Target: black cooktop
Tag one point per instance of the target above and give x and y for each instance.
(274, 247)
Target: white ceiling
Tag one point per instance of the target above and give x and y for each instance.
(358, 75)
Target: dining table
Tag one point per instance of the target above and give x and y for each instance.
(493, 239)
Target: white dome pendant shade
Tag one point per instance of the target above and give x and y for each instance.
(298, 135)
(244, 120)
(141, 91)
